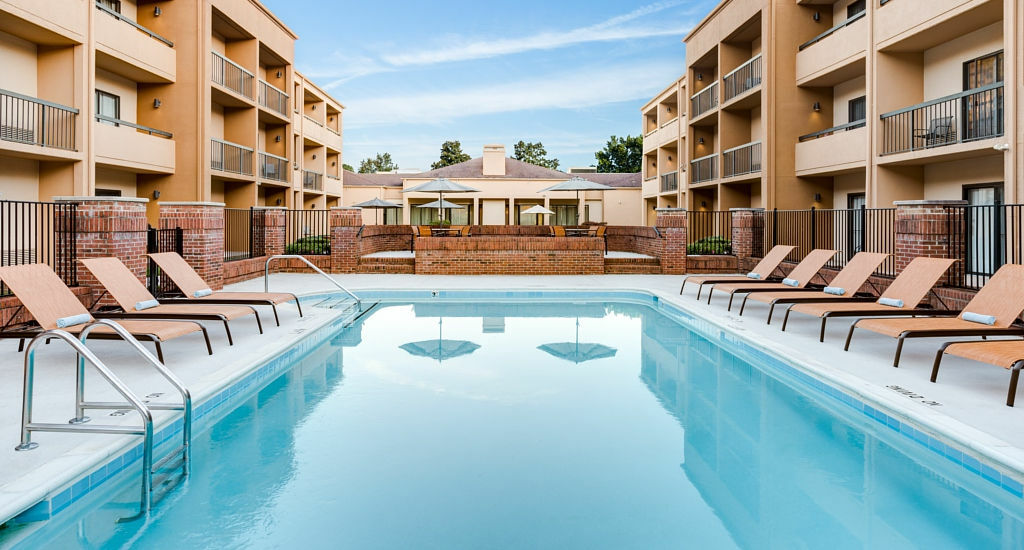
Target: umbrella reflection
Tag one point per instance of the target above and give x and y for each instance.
(440, 349)
(578, 352)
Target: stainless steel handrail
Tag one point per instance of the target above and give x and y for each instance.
(266, 274)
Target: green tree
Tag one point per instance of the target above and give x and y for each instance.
(348, 167)
(451, 153)
(621, 155)
(534, 153)
(381, 163)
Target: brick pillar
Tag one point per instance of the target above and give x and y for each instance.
(922, 229)
(747, 232)
(273, 230)
(109, 227)
(671, 222)
(202, 225)
(345, 223)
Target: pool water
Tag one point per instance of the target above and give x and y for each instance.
(565, 425)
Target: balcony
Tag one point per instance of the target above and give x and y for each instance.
(273, 167)
(670, 182)
(916, 26)
(833, 151)
(333, 185)
(834, 56)
(704, 101)
(312, 181)
(649, 187)
(34, 122)
(704, 169)
(230, 157)
(945, 126)
(126, 145)
(273, 98)
(232, 76)
(742, 160)
(742, 79)
(131, 50)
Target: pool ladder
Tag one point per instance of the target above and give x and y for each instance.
(80, 423)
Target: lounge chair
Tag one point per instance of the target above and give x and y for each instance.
(558, 231)
(992, 312)
(762, 271)
(843, 287)
(424, 230)
(1008, 354)
(902, 298)
(196, 290)
(52, 304)
(137, 303)
(798, 278)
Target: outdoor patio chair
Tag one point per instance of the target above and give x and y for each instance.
(902, 298)
(939, 132)
(762, 272)
(137, 303)
(558, 231)
(798, 278)
(843, 287)
(423, 230)
(1008, 354)
(196, 290)
(52, 304)
(992, 312)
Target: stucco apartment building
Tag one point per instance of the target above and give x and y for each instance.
(172, 100)
(507, 187)
(664, 163)
(836, 104)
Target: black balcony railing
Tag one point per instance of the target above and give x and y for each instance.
(308, 232)
(273, 167)
(743, 78)
(967, 116)
(39, 233)
(709, 232)
(670, 182)
(984, 238)
(162, 240)
(232, 76)
(244, 233)
(834, 130)
(230, 157)
(704, 169)
(141, 29)
(745, 159)
(704, 100)
(826, 34)
(312, 181)
(32, 121)
(273, 98)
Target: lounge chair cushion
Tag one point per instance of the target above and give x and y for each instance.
(202, 293)
(790, 282)
(73, 320)
(891, 302)
(753, 275)
(979, 318)
(147, 304)
(835, 290)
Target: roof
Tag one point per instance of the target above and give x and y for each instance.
(615, 179)
(352, 179)
(474, 169)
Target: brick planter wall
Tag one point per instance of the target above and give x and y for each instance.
(711, 264)
(385, 238)
(345, 249)
(510, 256)
(672, 224)
(639, 240)
(202, 225)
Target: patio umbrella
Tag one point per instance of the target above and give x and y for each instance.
(440, 349)
(538, 210)
(441, 204)
(577, 184)
(577, 351)
(441, 186)
(378, 204)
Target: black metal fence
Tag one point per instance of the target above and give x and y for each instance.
(162, 240)
(966, 116)
(308, 232)
(983, 238)
(849, 231)
(709, 232)
(29, 120)
(244, 233)
(745, 77)
(230, 157)
(39, 233)
(745, 159)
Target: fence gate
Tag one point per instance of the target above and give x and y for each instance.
(161, 240)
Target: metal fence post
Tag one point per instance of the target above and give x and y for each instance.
(814, 229)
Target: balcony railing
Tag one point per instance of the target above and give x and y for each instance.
(312, 181)
(232, 76)
(670, 182)
(313, 120)
(273, 167)
(745, 77)
(833, 130)
(704, 100)
(141, 128)
(273, 98)
(230, 157)
(829, 32)
(745, 159)
(704, 169)
(141, 29)
(964, 117)
(32, 121)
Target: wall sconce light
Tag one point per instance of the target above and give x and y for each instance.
(157, 103)
(279, 74)
(277, 139)
(669, 109)
(156, 194)
(670, 158)
(703, 204)
(817, 197)
(334, 163)
(278, 202)
(816, 106)
(817, 16)
(157, 11)
(314, 107)
(700, 141)
(700, 77)
(314, 157)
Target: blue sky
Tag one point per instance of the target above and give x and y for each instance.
(413, 74)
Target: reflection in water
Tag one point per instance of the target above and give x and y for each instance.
(440, 350)
(578, 352)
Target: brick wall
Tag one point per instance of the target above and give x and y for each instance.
(509, 230)
(345, 249)
(672, 224)
(510, 256)
(922, 229)
(202, 225)
(711, 264)
(640, 240)
(385, 238)
(274, 231)
(747, 231)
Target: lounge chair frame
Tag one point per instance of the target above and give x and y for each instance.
(984, 333)
(1015, 369)
(880, 312)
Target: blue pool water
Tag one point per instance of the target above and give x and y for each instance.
(559, 425)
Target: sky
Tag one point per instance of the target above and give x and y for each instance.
(413, 74)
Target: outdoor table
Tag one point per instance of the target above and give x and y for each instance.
(579, 231)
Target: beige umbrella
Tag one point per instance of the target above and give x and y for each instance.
(441, 186)
(577, 184)
(539, 211)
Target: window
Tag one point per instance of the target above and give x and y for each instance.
(857, 109)
(112, 5)
(983, 111)
(855, 7)
(856, 202)
(109, 106)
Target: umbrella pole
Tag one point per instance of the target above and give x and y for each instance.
(440, 209)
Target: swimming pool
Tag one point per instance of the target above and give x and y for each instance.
(531, 423)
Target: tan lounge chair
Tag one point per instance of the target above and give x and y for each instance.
(763, 271)
(802, 274)
(902, 298)
(49, 300)
(558, 230)
(1008, 354)
(843, 287)
(1000, 299)
(137, 303)
(195, 288)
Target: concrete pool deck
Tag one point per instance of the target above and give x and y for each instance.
(971, 396)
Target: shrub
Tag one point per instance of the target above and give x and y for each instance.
(710, 245)
(440, 223)
(314, 244)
